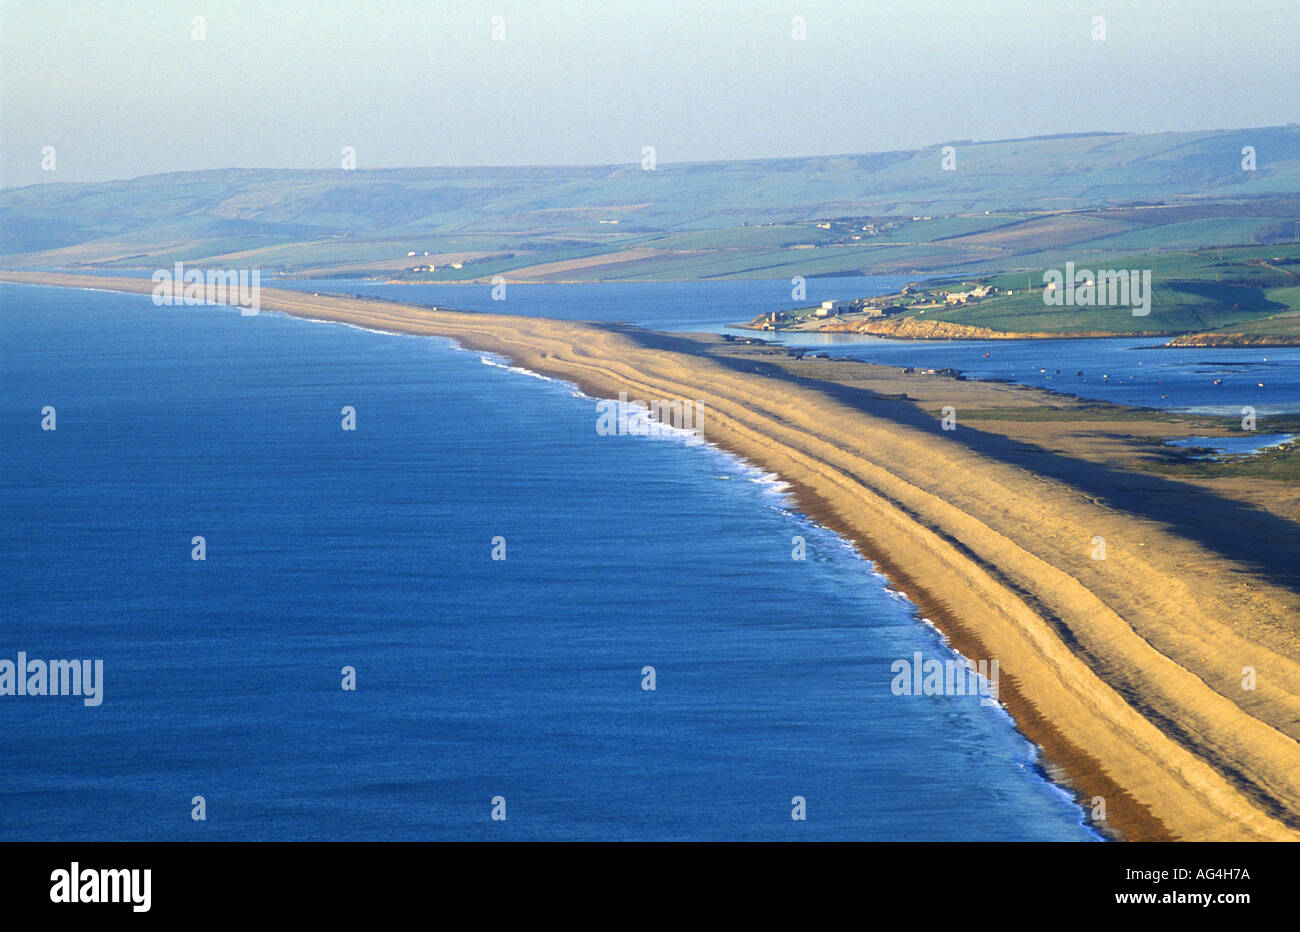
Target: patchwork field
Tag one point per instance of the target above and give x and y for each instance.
(1013, 204)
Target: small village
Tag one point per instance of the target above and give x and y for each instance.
(912, 298)
(430, 267)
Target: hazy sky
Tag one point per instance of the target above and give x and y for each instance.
(121, 89)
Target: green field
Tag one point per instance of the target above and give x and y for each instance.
(1241, 290)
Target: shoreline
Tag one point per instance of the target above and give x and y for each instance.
(946, 332)
(972, 542)
(913, 330)
(964, 644)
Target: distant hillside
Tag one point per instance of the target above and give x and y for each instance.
(712, 219)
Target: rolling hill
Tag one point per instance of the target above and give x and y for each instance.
(1007, 204)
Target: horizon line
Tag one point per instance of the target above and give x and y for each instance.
(631, 163)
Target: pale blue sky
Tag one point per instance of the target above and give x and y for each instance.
(121, 89)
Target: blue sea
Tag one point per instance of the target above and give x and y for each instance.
(476, 678)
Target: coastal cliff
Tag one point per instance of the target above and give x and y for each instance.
(913, 328)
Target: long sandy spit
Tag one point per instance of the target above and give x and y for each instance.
(1000, 558)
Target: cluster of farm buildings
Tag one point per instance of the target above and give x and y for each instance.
(885, 305)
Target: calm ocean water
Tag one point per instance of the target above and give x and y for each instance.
(476, 678)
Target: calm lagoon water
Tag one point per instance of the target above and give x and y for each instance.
(1133, 371)
(677, 306)
(1234, 445)
(476, 678)
(1122, 370)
